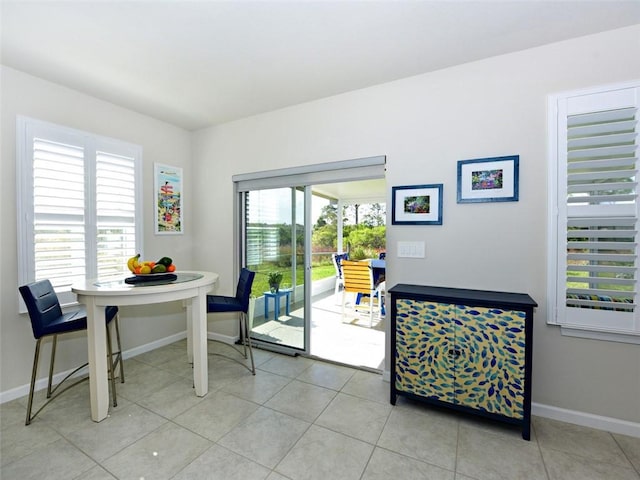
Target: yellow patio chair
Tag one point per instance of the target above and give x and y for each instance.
(358, 279)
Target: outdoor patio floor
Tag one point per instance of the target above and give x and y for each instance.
(349, 342)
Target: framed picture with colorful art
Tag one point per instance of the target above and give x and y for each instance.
(488, 179)
(168, 199)
(417, 205)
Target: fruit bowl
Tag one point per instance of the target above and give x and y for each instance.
(146, 268)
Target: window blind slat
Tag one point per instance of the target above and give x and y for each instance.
(609, 163)
(602, 245)
(599, 222)
(620, 269)
(601, 152)
(602, 128)
(585, 143)
(580, 177)
(596, 199)
(605, 116)
(601, 233)
(600, 257)
(598, 187)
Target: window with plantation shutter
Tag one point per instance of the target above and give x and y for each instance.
(594, 274)
(115, 213)
(78, 205)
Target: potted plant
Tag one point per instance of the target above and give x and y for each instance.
(274, 281)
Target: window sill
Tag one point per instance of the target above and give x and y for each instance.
(599, 335)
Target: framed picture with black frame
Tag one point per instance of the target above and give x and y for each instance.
(417, 205)
(493, 179)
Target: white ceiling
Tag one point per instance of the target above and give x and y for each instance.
(197, 64)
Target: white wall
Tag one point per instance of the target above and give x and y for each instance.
(27, 95)
(424, 125)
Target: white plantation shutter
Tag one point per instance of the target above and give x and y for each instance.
(115, 213)
(78, 205)
(58, 213)
(597, 211)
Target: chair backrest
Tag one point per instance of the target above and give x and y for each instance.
(337, 259)
(42, 303)
(243, 290)
(357, 276)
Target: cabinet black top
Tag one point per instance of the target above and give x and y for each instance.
(463, 295)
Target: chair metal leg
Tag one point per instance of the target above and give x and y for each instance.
(247, 340)
(110, 366)
(53, 358)
(34, 371)
(120, 359)
(54, 392)
(243, 336)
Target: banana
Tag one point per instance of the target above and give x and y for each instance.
(132, 263)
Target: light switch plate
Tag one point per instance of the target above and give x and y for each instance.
(411, 249)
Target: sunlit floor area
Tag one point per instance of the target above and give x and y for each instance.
(296, 419)
(349, 341)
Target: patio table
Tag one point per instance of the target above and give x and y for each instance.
(283, 292)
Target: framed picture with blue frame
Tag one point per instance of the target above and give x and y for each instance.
(494, 179)
(416, 205)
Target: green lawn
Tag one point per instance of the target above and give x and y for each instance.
(318, 272)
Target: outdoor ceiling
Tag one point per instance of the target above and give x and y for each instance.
(202, 63)
(365, 191)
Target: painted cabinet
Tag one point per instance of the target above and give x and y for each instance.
(465, 349)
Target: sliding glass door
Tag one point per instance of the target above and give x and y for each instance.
(274, 247)
(274, 213)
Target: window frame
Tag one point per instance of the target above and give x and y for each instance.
(27, 129)
(583, 101)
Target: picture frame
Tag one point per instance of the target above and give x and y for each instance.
(168, 199)
(417, 204)
(494, 179)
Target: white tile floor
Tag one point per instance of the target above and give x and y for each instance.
(297, 419)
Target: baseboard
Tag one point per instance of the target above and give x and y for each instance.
(41, 383)
(231, 340)
(147, 347)
(609, 424)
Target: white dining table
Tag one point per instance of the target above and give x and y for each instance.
(191, 287)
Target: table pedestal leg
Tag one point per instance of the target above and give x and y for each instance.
(199, 342)
(187, 304)
(97, 350)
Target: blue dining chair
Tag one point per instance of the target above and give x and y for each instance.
(337, 259)
(47, 320)
(239, 303)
